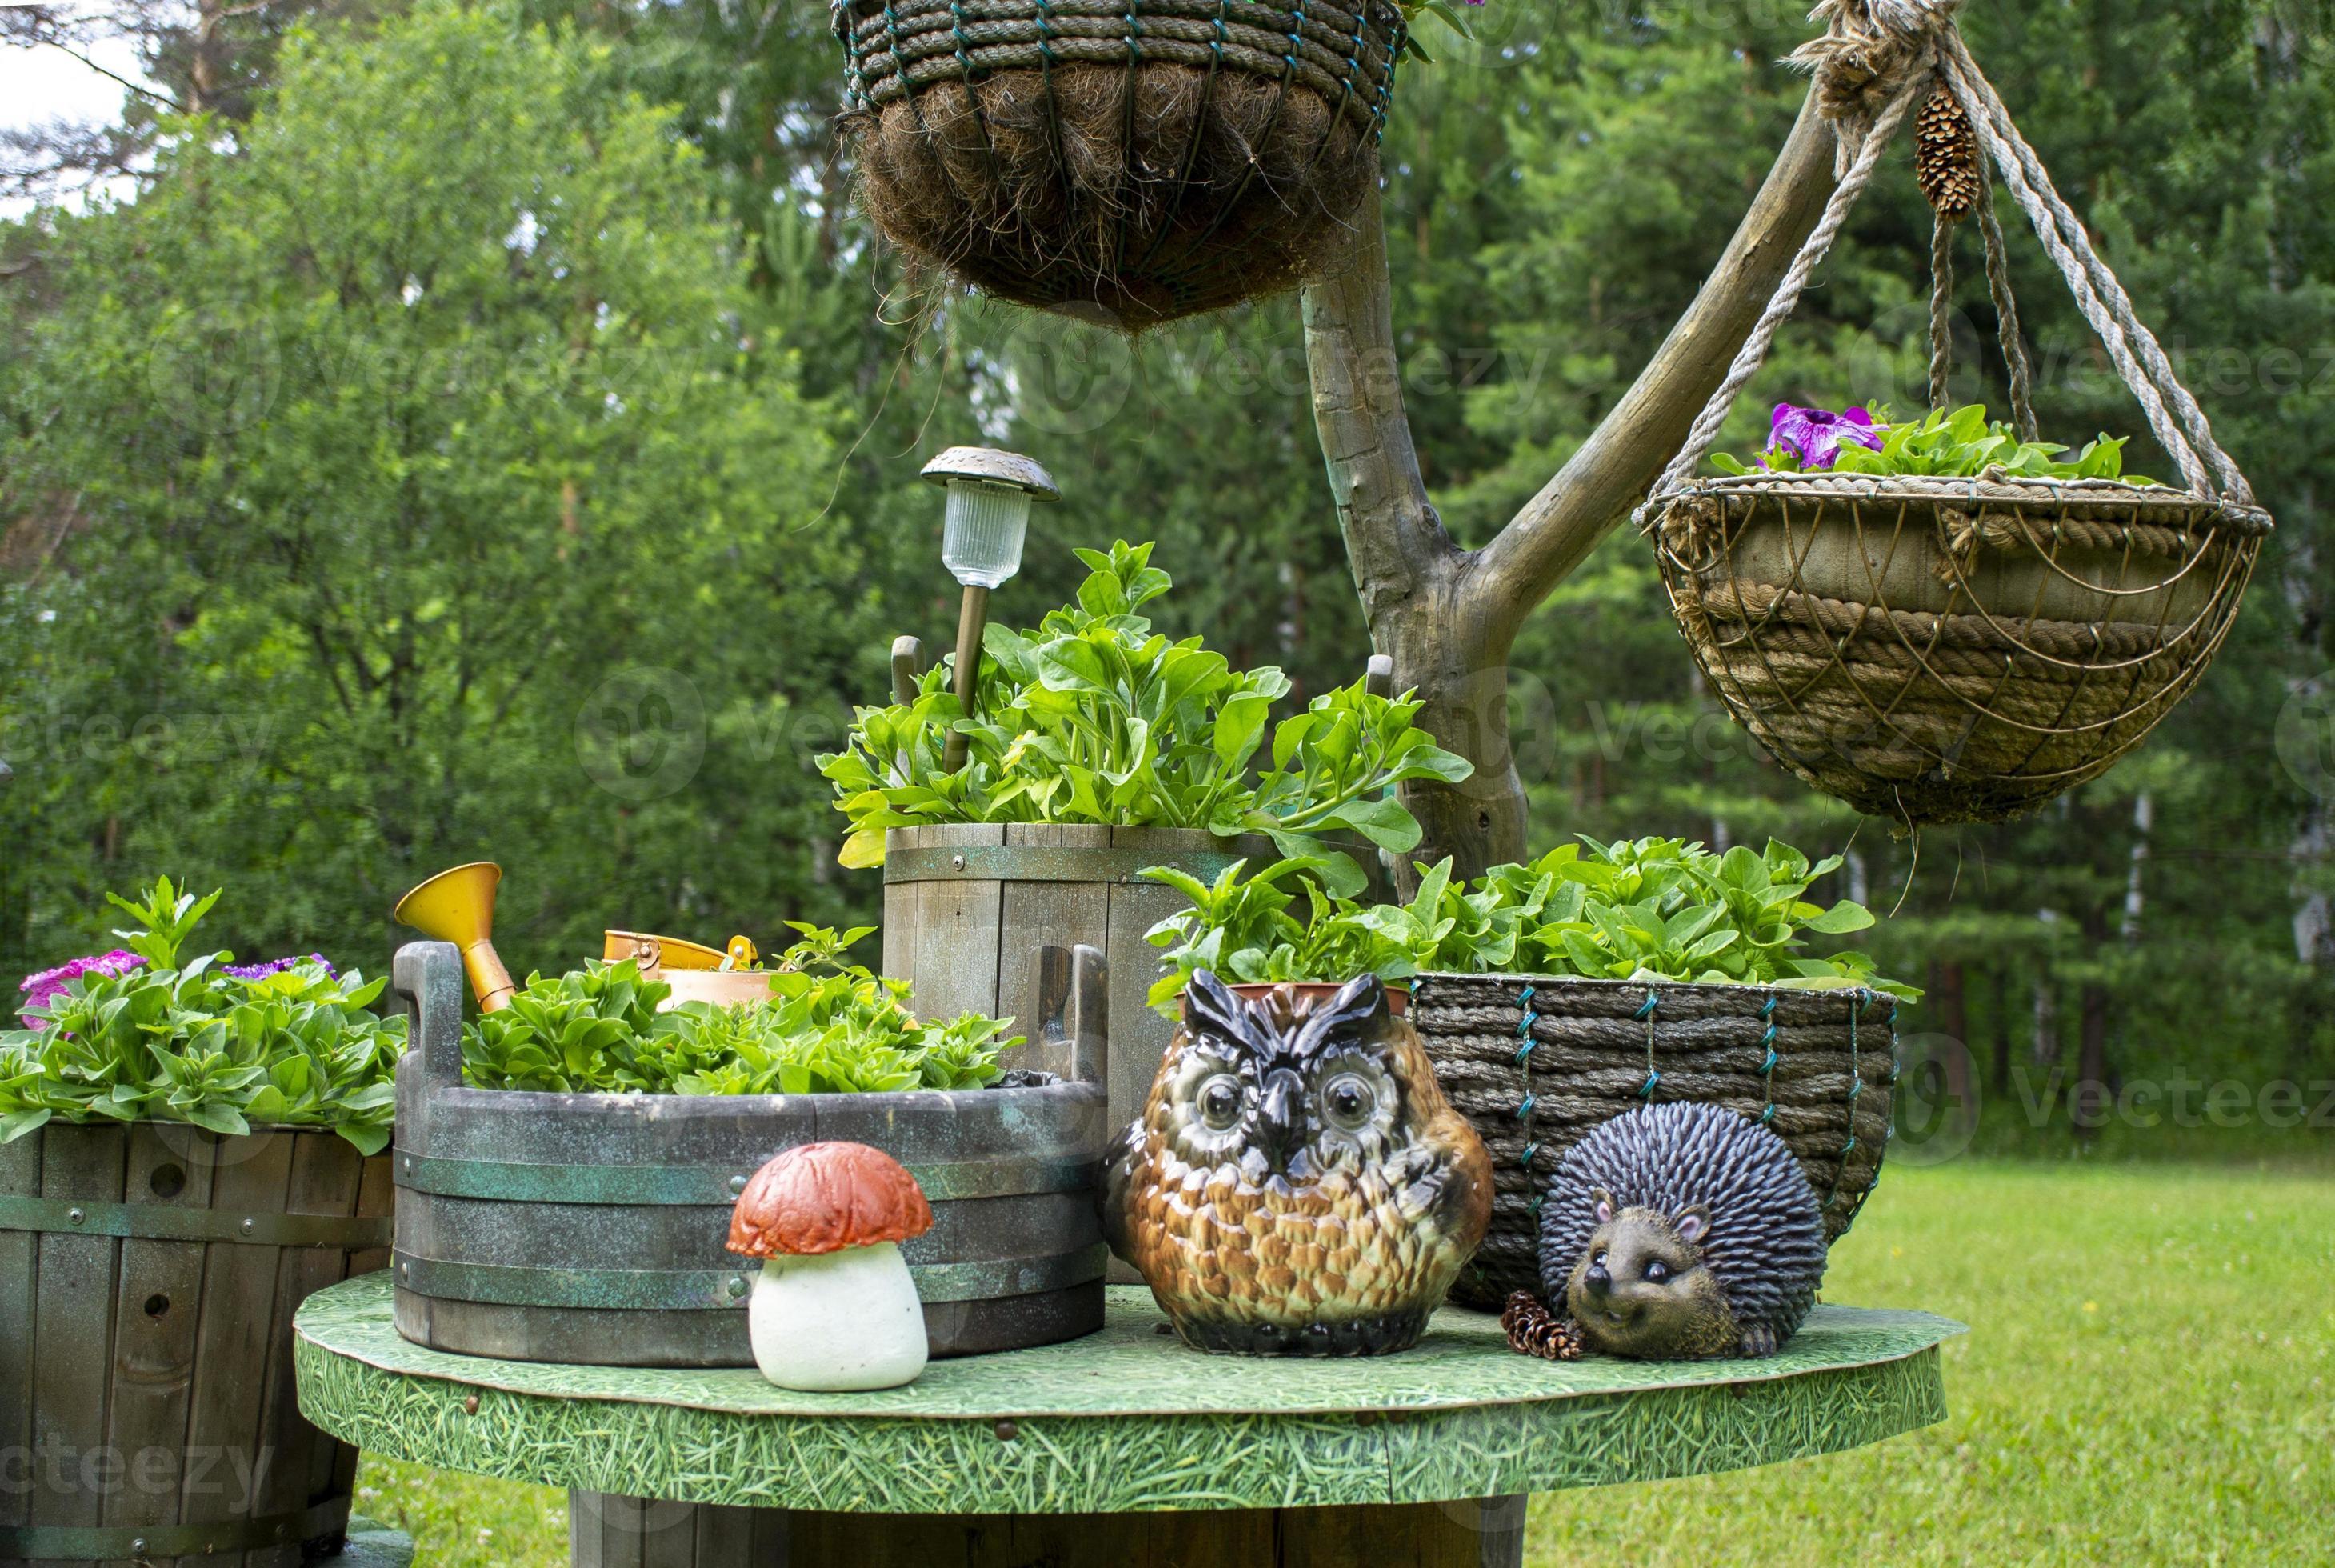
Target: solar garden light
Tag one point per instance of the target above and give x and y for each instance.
(989, 497)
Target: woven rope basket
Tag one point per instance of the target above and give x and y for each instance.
(1127, 161)
(1538, 1064)
(1937, 650)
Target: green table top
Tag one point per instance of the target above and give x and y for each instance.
(1124, 1420)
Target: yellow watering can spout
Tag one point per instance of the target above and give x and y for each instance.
(458, 906)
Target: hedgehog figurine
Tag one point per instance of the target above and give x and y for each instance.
(1682, 1232)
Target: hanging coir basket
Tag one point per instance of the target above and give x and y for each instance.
(1953, 649)
(1127, 161)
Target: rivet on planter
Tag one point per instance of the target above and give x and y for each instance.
(1007, 1431)
(138, 1546)
(737, 1184)
(956, 862)
(250, 1225)
(76, 1215)
(738, 1286)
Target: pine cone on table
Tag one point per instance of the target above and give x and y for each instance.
(1945, 158)
(1535, 1331)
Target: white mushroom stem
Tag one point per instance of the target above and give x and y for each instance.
(838, 1320)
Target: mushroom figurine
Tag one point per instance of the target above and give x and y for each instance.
(835, 1308)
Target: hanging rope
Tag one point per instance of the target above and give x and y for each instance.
(1754, 352)
(2006, 317)
(1877, 58)
(1941, 310)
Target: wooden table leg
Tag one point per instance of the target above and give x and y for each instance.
(613, 1532)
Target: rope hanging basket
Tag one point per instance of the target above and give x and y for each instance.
(1536, 1064)
(1935, 651)
(1125, 161)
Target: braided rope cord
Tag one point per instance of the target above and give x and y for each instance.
(2115, 328)
(1767, 1068)
(1314, 40)
(2022, 369)
(1524, 1107)
(1856, 1091)
(2000, 136)
(1704, 434)
(1942, 309)
(1942, 58)
(1653, 1074)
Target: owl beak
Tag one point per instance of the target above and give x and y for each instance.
(1281, 1117)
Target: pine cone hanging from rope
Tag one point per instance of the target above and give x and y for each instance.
(1945, 158)
(1535, 1331)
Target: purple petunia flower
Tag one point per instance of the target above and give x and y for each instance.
(41, 989)
(1814, 435)
(277, 966)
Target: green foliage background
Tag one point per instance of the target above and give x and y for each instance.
(504, 441)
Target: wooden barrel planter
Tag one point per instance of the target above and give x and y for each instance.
(148, 1273)
(1536, 1064)
(1127, 161)
(968, 906)
(589, 1228)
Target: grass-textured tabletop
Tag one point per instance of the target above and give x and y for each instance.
(1123, 1420)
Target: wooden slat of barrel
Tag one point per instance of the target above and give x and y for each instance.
(156, 1312)
(946, 946)
(20, 1176)
(610, 1531)
(73, 1361)
(233, 1340)
(325, 1172)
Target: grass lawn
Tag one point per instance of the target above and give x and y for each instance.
(2150, 1377)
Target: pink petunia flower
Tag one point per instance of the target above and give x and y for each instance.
(41, 989)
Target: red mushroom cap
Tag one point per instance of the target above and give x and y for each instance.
(821, 1197)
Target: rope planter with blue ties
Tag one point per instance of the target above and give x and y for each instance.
(1124, 161)
(1537, 1062)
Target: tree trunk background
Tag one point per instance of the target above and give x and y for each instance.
(1448, 617)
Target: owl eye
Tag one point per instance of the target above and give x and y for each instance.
(1350, 1102)
(1220, 1101)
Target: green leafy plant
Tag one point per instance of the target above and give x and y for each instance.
(830, 1027)
(1652, 908)
(1947, 443)
(1459, 21)
(289, 1045)
(1095, 718)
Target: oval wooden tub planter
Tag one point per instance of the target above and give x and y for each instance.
(148, 1274)
(968, 907)
(590, 1228)
(1538, 1064)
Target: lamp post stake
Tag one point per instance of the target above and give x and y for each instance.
(989, 497)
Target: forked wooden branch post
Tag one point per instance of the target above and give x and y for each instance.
(1448, 616)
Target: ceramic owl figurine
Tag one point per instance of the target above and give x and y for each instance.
(1297, 1184)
